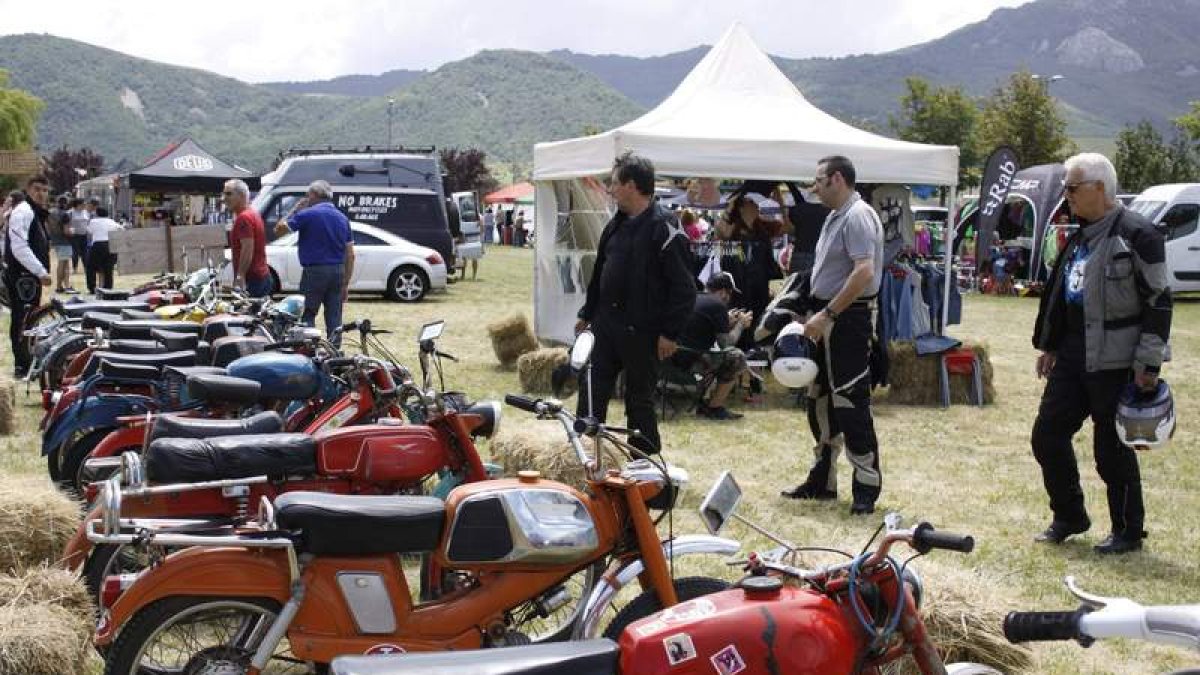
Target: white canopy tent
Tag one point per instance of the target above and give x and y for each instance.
(734, 116)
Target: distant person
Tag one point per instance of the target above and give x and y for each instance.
(807, 219)
(508, 226)
(77, 232)
(247, 241)
(100, 260)
(713, 323)
(691, 225)
(326, 250)
(527, 226)
(27, 263)
(519, 229)
(489, 223)
(57, 227)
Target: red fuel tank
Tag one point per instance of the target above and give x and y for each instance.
(380, 453)
(769, 630)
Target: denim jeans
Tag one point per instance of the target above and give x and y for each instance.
(322, 285)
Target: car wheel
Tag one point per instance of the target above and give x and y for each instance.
(408, 283)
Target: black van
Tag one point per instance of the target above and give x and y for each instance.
(398, 190)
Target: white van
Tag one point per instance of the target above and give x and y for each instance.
(1175, 209)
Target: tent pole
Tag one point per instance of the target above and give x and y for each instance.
(948, 234)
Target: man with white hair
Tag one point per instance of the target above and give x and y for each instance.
(247, 241)
(1104, 320)
(326, 250)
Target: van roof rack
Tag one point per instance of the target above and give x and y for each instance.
(302, 150)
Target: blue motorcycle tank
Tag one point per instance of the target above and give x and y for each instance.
(282, 376)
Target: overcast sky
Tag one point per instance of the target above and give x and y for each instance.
(307, 40)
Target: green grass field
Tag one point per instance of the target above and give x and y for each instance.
(965, 469)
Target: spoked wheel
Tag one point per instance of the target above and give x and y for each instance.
(40, 316)
(551, 617)
(687, 588)
(199, 636)
(108, 560)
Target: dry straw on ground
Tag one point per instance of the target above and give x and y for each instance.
(44, 639)
(511, 338)
(914, 380)
(543, 446)
(8, 401)
(46, 585)
(536, 371)
(36, 521)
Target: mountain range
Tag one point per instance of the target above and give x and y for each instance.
(1120, 61)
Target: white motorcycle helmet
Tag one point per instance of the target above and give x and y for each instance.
(1145, 419)
(793, 363)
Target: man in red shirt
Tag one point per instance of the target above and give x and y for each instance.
(247, 242)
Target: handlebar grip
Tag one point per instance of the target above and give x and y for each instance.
(926, 538)
(338, 362)
(522, 402)
(286, 344)
(1042, 626)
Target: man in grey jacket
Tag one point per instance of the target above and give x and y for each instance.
(1104, 321)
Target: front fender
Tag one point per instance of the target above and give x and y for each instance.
(92, 412)
(120, 440)
(224, 572)
(588, 626)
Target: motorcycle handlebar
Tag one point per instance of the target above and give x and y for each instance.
(1043, 626)
(522, 402)
(926, 538)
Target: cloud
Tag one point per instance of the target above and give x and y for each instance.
(304, 39)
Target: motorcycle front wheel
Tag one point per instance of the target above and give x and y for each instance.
(687, 588)
(199, 635)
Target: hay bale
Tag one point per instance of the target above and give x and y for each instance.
(36, 520)
(8, 404)
(511, 338)
(536, 371)
(44, 639)
(913, 380)
(46, 585)
(542, 446)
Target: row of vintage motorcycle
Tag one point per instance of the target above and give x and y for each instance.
(262, 501)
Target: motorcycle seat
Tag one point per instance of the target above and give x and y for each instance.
(78, 309)
(112, 294)
(585, 657)
(361, 525)
(225, 325)
(179, 426)
(94, 320)
(223, 389)
(141, 328)
(129, 371)
(230, 348)
(138, 314)
(156, 361)
(175, 341)
(136, 347)
(187, 460)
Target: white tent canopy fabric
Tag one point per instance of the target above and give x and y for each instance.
(737, 116)
(734, 116)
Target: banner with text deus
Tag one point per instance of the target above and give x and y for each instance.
(997, 179)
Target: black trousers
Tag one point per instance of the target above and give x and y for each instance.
(1071, 396)
(78, 250)
(24, 294)
(619, 348)
(840, 411)
(99, 264)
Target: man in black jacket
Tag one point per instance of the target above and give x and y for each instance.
(640, 296)
(1104, 321)
(27, 264)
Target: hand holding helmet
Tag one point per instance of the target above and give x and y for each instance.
(1145, 419)
(793, 363)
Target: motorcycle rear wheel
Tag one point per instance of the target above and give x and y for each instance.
(687, 588)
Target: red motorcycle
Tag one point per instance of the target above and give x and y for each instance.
(852, 617)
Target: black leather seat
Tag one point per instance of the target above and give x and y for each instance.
(230, 348)
(78, 309)
(112, 294)
(223, 389)
(179, 426)
(157, 361)
(175, 341)
(94, 320)
(136, 347)
(361, 525)
(586, 657)
(188, 460)
(139, 314)
(128, 371)
(224, 326)
(140, 329)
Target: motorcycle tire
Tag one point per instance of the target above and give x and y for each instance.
(121, 657)
(75, 455)
(687, 588)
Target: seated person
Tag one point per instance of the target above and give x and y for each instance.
(713, 322)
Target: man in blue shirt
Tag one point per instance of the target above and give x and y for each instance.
(326, 249)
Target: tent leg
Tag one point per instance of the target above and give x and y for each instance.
(948, 234)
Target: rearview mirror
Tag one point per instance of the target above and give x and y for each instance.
(431, 331)
(720, 503)
(581, 351)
